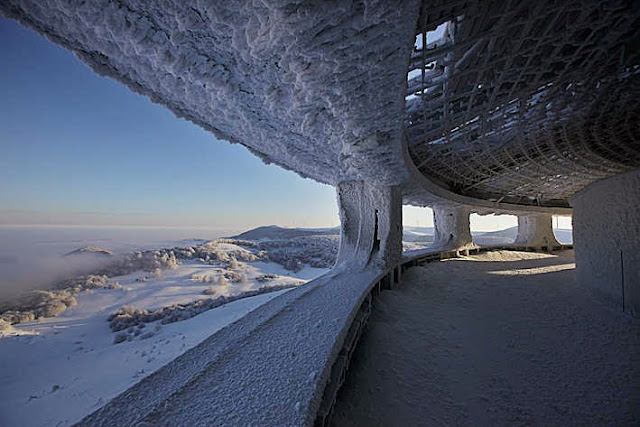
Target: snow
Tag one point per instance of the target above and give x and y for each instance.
(68, 366)
(58, 370)
(285, 348)
(501, 338)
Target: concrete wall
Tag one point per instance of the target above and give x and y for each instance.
(536, 230)
(606, 233)
(371, 224)
(452, 230)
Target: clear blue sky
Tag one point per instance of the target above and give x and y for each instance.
(77, 148)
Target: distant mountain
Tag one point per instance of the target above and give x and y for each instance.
(500, 237)
(410, 234)
(273, 232)
(91, 250)
(418, 234)
(508, 235)
(419, 230)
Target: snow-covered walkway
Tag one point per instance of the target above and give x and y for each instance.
(501, 338)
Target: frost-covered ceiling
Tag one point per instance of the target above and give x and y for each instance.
(524, 102)
(313, 86)
(511, 101)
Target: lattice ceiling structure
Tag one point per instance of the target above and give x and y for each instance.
(524, 102)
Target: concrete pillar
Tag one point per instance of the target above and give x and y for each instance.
(606, 230)
(452, 229)
(371, 225)
(536, 230)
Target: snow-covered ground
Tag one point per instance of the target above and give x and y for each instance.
(496, 339)
(57, 370)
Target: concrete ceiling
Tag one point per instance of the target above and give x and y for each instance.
(514, 105)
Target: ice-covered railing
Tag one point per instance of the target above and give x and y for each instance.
(524, 102)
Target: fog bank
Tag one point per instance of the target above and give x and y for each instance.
(32, 257)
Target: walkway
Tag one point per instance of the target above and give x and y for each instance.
(510, 342)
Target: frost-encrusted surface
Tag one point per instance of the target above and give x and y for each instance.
(268, 368)
(606, 228)
(498, 339)
(371, 218)
(536, 230)
(452, 228)
(318, 87)
(314, 87)
(524, 102)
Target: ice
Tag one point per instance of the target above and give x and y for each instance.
(242, 72)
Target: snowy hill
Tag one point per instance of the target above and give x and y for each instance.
(508, 235)
(418, 234)
(500, 237)
(91, 250)
(273, 232)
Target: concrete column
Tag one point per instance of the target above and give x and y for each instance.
(452, 229)
(606, 230)
(371, 230)
(536, 230)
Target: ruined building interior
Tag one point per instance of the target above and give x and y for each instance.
(465, 106)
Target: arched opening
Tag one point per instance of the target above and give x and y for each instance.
(563, 229)
(417, 227)
(488, 230)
